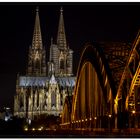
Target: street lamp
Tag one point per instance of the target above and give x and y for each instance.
(39, 129)
(133, 112)
(109, 120)
(26, 129)
(95, 118)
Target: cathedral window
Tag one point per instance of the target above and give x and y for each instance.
(37, 64)
(61, 99)
(33, 99)
(37, 99)
(68, 63)
(61, 64)
(21, 101)
(53, 99)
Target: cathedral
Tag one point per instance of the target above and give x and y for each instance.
(42, 91)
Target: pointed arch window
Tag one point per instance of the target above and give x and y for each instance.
(53, 99)
(21, 101)
(68, 63)
(61, 64)
(37, 64)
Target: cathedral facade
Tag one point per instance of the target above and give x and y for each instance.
(42, 91)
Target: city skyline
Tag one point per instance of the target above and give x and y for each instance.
(83, 23)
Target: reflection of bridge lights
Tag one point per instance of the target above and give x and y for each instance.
(109, 115)
(133, 111)
(33, 129)
(82, 120)
(85, 119)
(76, 121)
(90, 119)
(79, 120)
(95, 118)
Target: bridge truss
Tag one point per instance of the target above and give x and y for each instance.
(108, 82)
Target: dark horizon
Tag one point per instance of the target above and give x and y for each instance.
(84, 22)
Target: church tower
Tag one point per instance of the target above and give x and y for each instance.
(37, 53)
(61, 37)
(61, 56)
(36, 93)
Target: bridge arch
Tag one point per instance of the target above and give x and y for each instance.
(66, 114)
(93, 93)
(130, 80)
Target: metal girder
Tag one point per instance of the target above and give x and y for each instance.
(135, 82)
(132, 76)
(117, 55)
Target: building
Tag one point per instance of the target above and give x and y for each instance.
(42, 91)
(61, 55)
(6, 114)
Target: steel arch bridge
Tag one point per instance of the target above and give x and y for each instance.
(93, 93)
(117, 54)
(66, 114)
(130, 81)
(97, 102)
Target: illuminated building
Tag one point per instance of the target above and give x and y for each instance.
(60, 61)
(6, 114)
(36, 92)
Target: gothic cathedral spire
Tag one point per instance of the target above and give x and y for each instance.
(37, 53)
(37, 38)
(61, 37)
(61, 56)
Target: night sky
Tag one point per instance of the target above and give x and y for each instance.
(84, 22)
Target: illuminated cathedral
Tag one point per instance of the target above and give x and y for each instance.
(42, 91)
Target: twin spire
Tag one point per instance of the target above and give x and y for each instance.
(61, 37)
(37, 37)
